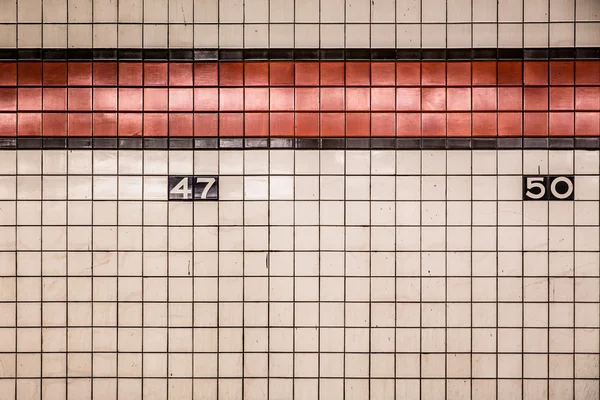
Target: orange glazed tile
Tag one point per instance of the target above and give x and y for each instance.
(383, 124)
(459, 124)
(156, 74)
(54, 99)
(408, 124)
(54, 74)
(307, 124)
(332, 73)
(231, 99)
(180, 74)
(332, 99)
(257, 99)
(8, 124)
(383, 74)
(206, 99)
(458, 73)
(282, 99)
(562, 72)
(105, 99)
(130, 99)
(358, 73)
(104, 73)
(433, 124)
(535, 124)
(510, 98)
(206, 74)
(459, 99)
(484, 124)
(231, 124)
(8, 99)
(29, 99)
(79, 99)
(587, 72)
(484, 73)
(510, 124)
(256, 124)
(535, 73)
(332, 124)
(104, 124)
(307, 99)
(484, 99)
(156, 124)
(79, 73)
(408, 74)
(383, 99)
(8, 73)
(79, 124)
(281, 124)
(562, 98)
(536, 99)
(29, 73)
(54, 124)
(156, 99)
(256, 74)
(231, 74)
(181, 99)
(358, 99)
(130, 73)
(434, 99)
(562, 123)
(129, 124)
(587, 98)
(281, 73)
(181, 124)
(408, 99)
(307, 73)
(206, 124)
(510, 73)
(433, 73)
(587, 123)
(358, 124)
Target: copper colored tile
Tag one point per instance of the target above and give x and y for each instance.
(256, 124)
(79, 99)
(129, 124)
(587, 72)
(510, 98)
(55, 99)
(433, 73)
(231, 99)
(332, 124)
(484, 73)
(535, 73)
(206, 124)
(587, 98)
(256, 74)
(8, 73)
(358, 99)
(256, 99)
(105, 99)
(181, 124)
(231, 74)
(8, 99)
(181, 74)
(156, 74)
(358, 73)
(281, 124)
(510, 124)
(181, 99)
(104, 124)
(307, 73)
(54, 124)
(307, 124)
(29, 124)
(408, 99)
(458, 73)
(156, 124)
(206, 74)
(562, 123)
(408, 74)
(29, 73)
(383, 74)
(156, 99)
(433, 124)
(281, 73)
(358, 124)
(54, 74)
(79, 124)
(383, 124)
(104, 73)
(282, 99)
(484, 99)
(535, 124)
(459, 99)
(79, 73)
(510, 73)
(231, 124)
(383, 99)
(484, 124)
(562, 72)
(408, 124)
(8, 124)
(434, 99)
(459, 124)
(536, 98)
(332, 73)
(332, 99)
(206, 99)
(130, 99)
(130, 73)
(29, 99)
(562, 98)
(307, 99)
(587, 123)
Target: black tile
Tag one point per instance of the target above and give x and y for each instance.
(230, 55)
(307, 143)
(8, 143)
(459, 54)
(383, 54)
(230, 143)
(485, 54)
(181, 54)
(206, 143)
(358, 143)
(433, 143)
(562, 53)
(535, 143)
(281, 54)
(9, 54)
(358, 54)
(156, 54)
(484, 143)
(29, 143)
(510, 143)
(535, 54)
(30, 54)
(54, 54)
(130, 54)
(587, 53)
(105, 54)
(408, 143)
(333, 143)
(80, 54)
(510, 54)
(181, 143)
(206, 55)
(383, 143)
(433, 54)
(256, 54)
(130, 143)
(256, 143)
(156, 143)
(332, 54)
(408, 54)
(281, 143)
(561, 143)
(79, 143)
(587, 143)
(306, 54)
(458, 143)
(105, 143)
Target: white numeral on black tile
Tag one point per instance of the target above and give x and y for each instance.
(193, 188)
(548, 187)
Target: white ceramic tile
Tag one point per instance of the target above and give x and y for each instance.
(535, 11)
(433, 11)
(332, 35)
(79, 10)
(433, 35)
(510, 35)
(79, 36)
(29, 36)
(130, 10)
(408, 36)
(206, 36)
(459, 10)
(535, 35)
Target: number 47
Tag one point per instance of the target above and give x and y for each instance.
(193, 188)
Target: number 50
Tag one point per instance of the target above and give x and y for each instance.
(548, 187)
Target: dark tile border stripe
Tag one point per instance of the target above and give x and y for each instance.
(298, 54)
(375, 143)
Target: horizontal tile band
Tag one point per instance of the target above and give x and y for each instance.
(211, 143)
(300, 54)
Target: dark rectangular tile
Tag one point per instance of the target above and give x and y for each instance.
(306, 54)
(561, 143)
(29, 143)
(485, 54)
(9, 54)
(181, 143)
(206, 143)
(458, 143)
(535, 54)
(510, 54)
(80, 54)
(433, 54)
(156, 143)
(587, 53)
(256, 143)
(8, 143)
(408, 143)
(333, 143)
(256, 54)
(562, 53)
(332, 54)
(130, 54)
(358, 143)
(181, 54)
(307, 143)
(54, 143)
(510, 143)
(383, 54)
(484, 143)
(105, 54)
(433, 143)
(281, 143)
(228, 143)
(587, 143)
(459, 54)
(30, 54)
(535, 143)
(79, 143)
(130, 143)
(206, 55)
(358, 54)
(231, 55)
(156, 54)
(105, 143)
(281, 54)
(54, 54)
(383, 143)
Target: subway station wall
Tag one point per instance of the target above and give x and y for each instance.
(289, 200)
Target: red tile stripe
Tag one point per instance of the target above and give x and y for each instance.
(303, 99)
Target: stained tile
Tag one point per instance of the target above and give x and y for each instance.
(79, 124)
(307, 99)
(206, 74)
(484, 99)
(459, 124)
(281, 99)
(54, 74)
(458, 73)
(307, 124)
(231, 74)
(281, 124)
(383, 99)
(206, 124)
(358, 73)
(332, 73)
(332, 99)
(156, 124)
(332, 124)
(281, 73)
(79, 99)
(8, 123)
(484, 73)
(181, 124)
(561, 98)
(587, 123)
(510, 73)
(256, 74)
(8, 73)
(180, 74)
(383, 74)
(587, 98)
(562, 72)
(358, 99)
(8, 99)
(129, 124)
(562, 124)
(484, 124)
(181, 99)
(434, 99)
(535, 124)
(105, 124)
(231, 124)
(206, 99)
(535, 73)
(409, 124)
(358, 124)
(433, 73)
(307, 73)
(29, 99)
(79, 73)
(459, 99)
(256, 124)
(383, 124)
(130, 99)
(433, 124)
(130, 73)
(29, 124)
(105, 99)
(156, 74)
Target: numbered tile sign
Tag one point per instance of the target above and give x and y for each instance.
(193, 188)
(548, 187)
